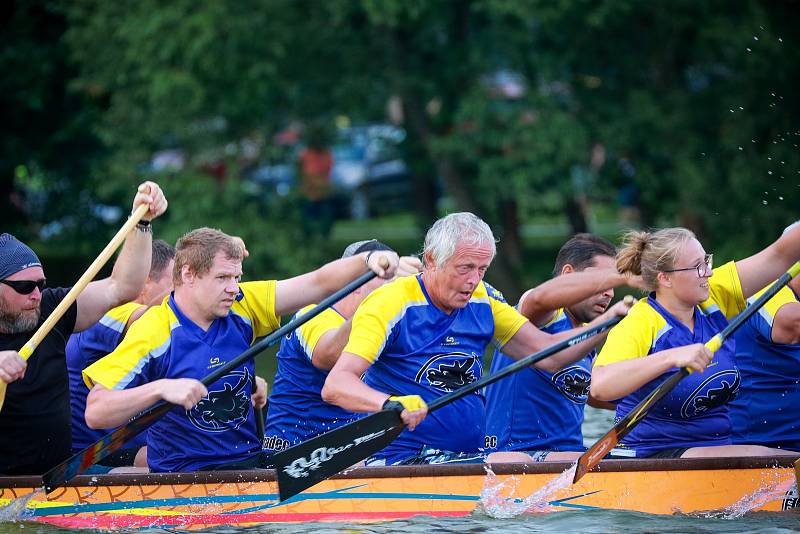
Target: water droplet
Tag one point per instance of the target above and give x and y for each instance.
(740, 107)
(764, 202)
(780, 198)
(748, 49)
(731, 111)
(755, 38)
(769, 158)
(780, 40)
(773, 94)
(740, 148)
(769, 172)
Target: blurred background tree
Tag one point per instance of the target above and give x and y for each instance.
(666, 112)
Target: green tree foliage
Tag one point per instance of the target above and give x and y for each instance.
(692, 102)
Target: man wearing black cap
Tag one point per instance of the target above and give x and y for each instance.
(296, 409)
(35, 418)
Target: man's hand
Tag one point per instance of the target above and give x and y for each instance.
(12, 366)
(259, 398)
(409, 265)
(149, 193)
(413, 408)
(375, 262)
(185, 392)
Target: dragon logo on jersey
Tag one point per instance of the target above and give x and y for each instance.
(717, 390)
(226, 408)
(450, 371)
(573, 382)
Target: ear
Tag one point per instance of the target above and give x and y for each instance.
(663, 279)
(567, 268)
(429, 264)
(187, 275)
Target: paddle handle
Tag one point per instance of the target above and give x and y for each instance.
(527, 361)
(28, 349)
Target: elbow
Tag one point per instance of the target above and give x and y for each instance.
(599, 386)
(329, 391)
(93, 419)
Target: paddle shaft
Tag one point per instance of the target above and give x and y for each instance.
(527, 361)
(113, 441)
(27, 350)
(591, 458)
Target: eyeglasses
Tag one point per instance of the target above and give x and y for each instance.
(704, 269)
(25, 287)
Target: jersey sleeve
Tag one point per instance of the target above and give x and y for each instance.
(311, 332)
(258, 304)
(378, 314)
(632, 337)
(763, 321)
(507, 320)
(136, 360)
(725, 291)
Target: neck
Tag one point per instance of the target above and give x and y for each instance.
(430, 287)
(189, 309)
(679, 309)
(572, 319)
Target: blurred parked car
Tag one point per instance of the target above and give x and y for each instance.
(369, 172)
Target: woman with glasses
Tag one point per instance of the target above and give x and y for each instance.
(689, 302)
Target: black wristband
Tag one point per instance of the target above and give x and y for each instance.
(390, 404)
(366, 259)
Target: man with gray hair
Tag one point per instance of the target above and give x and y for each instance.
(296, 409)
(421, 337)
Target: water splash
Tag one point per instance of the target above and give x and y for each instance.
(17, 509)
(498, 501)
(776, 489)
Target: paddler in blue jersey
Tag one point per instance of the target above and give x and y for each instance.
(420, 337)
(689, 303)
(768, 358)
(296, 409)
(210, 318)
(536, 412)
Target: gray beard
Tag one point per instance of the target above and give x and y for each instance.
(17, 323)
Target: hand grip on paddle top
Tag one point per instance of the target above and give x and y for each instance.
(411, 407)
(382, 262)
(706, 354)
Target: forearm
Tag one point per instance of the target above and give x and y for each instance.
(107, 408)
(567, 290)
(131, 268)
(616, 380)
(348, 391)
(571, 354)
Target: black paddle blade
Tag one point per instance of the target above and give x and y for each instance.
(303, 465)
(80, 462)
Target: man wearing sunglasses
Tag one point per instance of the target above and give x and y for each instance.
(35, 418)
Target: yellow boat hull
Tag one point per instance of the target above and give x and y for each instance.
(201, 500)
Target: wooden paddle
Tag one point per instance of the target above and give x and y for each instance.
(591, 458)
(27, 350)
(115, 440)
(303, 465)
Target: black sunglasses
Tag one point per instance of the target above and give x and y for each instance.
(25, 287)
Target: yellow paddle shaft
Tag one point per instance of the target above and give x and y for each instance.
(27, 350)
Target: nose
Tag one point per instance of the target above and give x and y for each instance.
(609, 293)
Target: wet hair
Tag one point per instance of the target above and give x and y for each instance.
(649, 253)
(581, 250)
(197, 249)
(163, 252)
(447, 232)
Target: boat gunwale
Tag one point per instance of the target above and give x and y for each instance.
(268, 475)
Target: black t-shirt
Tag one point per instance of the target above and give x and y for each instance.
(35, 430)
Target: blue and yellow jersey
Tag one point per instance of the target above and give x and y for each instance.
(83, 349)
(296, 409)
(164, 343)
(536, 410)
(763, 411)
(417, 349)
(695, 412)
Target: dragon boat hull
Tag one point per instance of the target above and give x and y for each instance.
(201, 500)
